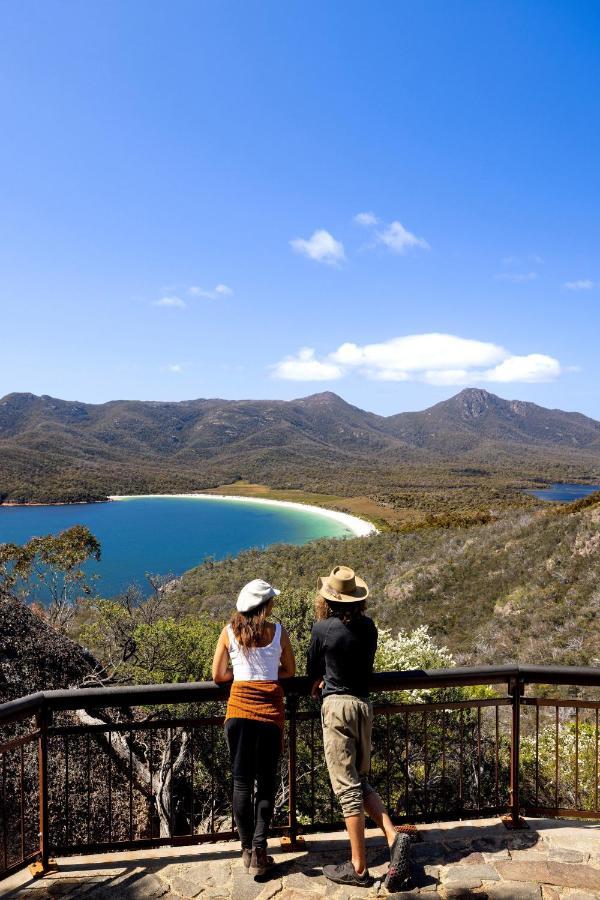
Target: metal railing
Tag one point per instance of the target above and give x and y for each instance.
(113, 768)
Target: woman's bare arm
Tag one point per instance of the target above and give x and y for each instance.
(287, 663)
(221, 672)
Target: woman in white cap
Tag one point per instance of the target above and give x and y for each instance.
(254, 653)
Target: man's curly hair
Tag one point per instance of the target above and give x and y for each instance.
(346, 612)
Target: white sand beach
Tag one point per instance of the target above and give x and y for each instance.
(358, 527)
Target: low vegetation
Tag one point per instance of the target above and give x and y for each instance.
(524, 584)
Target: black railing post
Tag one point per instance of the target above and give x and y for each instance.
(516, 689)
(42, 723)
(293, 840)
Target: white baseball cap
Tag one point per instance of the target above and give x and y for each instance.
(254, 594)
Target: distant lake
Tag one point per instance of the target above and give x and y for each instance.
(565, 493)
(166, 535)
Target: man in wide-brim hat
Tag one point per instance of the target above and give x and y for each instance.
(340, 664)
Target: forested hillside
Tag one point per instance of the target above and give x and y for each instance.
(56, 450)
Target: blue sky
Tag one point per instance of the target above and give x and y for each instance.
(180, 185)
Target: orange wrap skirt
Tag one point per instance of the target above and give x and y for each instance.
(261, 701)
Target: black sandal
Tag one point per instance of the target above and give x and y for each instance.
(398, 873)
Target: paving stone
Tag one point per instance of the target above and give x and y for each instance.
(144, 888)
(523, 840)
(561, 874)
(184, 887)
(464, 831)
(473, 858)
(62, 888)
(529, 855)
(431, 880)
(205, 876)
(549, 892)
(97, 890)
(460, 877)
(566, 856)
(561, 864)
(271, 889)
(489, 845)
(461, 853)
(578, 895)
(404, 895)
(474, 875)
(458, 846)
(103, 892)
(244, 886)
(513, 890)
(494, 856)
(314, 882)
(42, 894)
(431, 853)
(459, 892)
(344, 892)
(568, 835)
(426, 878)
(36, 888)
(295, 894)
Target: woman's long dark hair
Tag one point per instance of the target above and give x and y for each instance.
(249, 628)
(346, 612)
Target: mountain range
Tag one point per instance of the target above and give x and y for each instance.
(56, 449)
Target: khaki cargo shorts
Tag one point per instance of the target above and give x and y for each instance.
(347, 724)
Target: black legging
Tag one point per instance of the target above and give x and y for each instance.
(255, 748)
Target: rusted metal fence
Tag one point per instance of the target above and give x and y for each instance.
(124, 767)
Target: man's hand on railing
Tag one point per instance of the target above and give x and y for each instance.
(316, 688)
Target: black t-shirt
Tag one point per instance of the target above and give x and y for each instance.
(343, 655)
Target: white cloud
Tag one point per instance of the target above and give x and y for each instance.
(221, 290)
(584, 284)
(321, 246)
(173, 368)
(517, 277)
(366, 219)
(171, 301)
(305, 367)
(437, 359)
(398, 239)
(533, 369)
(418, 353)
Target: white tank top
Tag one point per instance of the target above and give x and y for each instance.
(256, 663)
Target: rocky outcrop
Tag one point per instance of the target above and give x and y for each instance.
(35, 657)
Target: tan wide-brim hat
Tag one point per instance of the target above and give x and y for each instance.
(343, 586)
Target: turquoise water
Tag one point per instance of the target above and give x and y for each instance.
(565, 493)
(167, 535)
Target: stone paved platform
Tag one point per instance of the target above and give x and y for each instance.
(553, 859)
